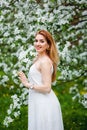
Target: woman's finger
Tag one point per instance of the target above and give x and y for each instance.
(20, 73)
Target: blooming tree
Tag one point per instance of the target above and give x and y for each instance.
(19, 21)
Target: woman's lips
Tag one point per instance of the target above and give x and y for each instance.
(37, 48)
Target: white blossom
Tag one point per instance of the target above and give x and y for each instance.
(8, 120)
(16, 114)
(17, 30)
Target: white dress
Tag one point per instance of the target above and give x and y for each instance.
(44, 112)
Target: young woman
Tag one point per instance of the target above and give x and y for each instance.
(44, 107)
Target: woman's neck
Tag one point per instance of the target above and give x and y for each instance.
(40, 55)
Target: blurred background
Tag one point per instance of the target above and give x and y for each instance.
(66, 20)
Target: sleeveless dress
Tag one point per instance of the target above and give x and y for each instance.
(44, 112)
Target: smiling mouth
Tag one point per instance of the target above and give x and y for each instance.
(38, 48)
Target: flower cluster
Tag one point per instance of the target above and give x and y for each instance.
(14, 108)
(19, 20)
(81, 97)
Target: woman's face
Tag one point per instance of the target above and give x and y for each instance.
(40, 44)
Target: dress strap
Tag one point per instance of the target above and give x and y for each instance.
(52, 69)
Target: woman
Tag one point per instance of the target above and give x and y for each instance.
(44, 107)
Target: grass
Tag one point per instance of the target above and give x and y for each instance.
(74, 114)
(21, 122)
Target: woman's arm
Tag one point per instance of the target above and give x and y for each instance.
(46, 73)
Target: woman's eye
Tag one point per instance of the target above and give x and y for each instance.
(36, 40)
(42, 41)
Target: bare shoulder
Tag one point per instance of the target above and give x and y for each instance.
(46, 62)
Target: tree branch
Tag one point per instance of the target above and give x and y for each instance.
(75, 78)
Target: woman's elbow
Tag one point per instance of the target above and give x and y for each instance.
(49, 90)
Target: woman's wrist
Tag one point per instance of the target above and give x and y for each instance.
(31, 86)
(26, 84)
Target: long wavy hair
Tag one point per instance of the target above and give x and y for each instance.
(52, 52)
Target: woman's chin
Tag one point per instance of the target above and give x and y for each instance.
(39, 51)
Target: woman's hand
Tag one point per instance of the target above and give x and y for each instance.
(23, 79)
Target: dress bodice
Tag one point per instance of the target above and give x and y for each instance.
(35, 75)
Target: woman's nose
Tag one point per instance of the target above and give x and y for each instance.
(37, 43)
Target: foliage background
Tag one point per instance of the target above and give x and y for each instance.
(67, 22)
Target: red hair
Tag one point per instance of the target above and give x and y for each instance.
(52, 52)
